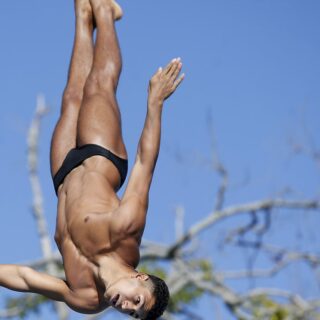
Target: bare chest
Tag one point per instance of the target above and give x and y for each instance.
(90, 233)
(80, 272)
(94, 237)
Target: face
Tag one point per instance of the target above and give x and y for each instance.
(131, 295)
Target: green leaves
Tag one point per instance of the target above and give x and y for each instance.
(26, 304)
(188, 294)
(263, 306)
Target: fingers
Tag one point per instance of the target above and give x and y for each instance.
(169, 66)
(178, 81)
(173, 73)
(170, 75)
(176, 70)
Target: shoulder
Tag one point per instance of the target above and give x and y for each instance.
(130, 216)
(86, 300)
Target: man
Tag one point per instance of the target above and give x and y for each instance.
(98, 234)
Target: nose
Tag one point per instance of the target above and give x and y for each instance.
(126, 305)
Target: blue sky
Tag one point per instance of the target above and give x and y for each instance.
(252, 65)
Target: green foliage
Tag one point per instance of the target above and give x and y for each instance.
(189, 294)
(27, 304)
(154, 270)
(262, 305)
(206, 267)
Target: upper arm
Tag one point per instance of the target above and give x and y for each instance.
(139, 182)
(57, 289)
(131, 215)
(41, 283)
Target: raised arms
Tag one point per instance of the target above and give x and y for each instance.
(161, 86)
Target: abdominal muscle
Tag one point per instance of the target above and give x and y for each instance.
(87, 201)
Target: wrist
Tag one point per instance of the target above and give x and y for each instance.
(155, 102)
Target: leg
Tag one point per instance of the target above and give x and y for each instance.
(99, 119)
(64, 136)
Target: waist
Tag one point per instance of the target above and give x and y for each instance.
(93, 174)
(79, 156)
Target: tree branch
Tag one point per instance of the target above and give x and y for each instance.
(38, 210)
(220, 215)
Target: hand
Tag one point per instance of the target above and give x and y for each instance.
(165, 82)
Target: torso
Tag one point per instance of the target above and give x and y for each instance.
(87, 203)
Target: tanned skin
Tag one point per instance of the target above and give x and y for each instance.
(97, 233)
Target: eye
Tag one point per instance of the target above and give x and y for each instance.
(138, 300)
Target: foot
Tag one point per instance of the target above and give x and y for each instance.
(117, 10)
(112, 4)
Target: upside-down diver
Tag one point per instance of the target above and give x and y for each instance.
(97, 233)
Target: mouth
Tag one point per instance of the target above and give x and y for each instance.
(115, 299)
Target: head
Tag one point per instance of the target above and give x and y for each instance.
(141, 295)
(161, 296)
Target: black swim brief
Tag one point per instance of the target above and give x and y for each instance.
(77, 155)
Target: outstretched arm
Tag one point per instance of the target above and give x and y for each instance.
(161, 86)
(24, 279)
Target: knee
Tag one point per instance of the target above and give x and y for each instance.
(102, 81)
(72, 99)
(57, 238)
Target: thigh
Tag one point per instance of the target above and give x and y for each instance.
(100, 123)
(64, 137)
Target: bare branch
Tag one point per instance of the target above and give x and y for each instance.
(220, 215)
(218, 167)
(179, 221)
(281, 258)
(33, 138)
(41, 264)
(33, 141)
(242, 305)
(242, 230)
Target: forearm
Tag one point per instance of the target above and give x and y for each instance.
(12, 277)
(161, 87)
(149, 144)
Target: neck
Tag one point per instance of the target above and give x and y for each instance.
(112, 269)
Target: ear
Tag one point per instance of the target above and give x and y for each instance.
(142, 276)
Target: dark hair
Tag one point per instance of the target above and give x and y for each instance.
(161, 295)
